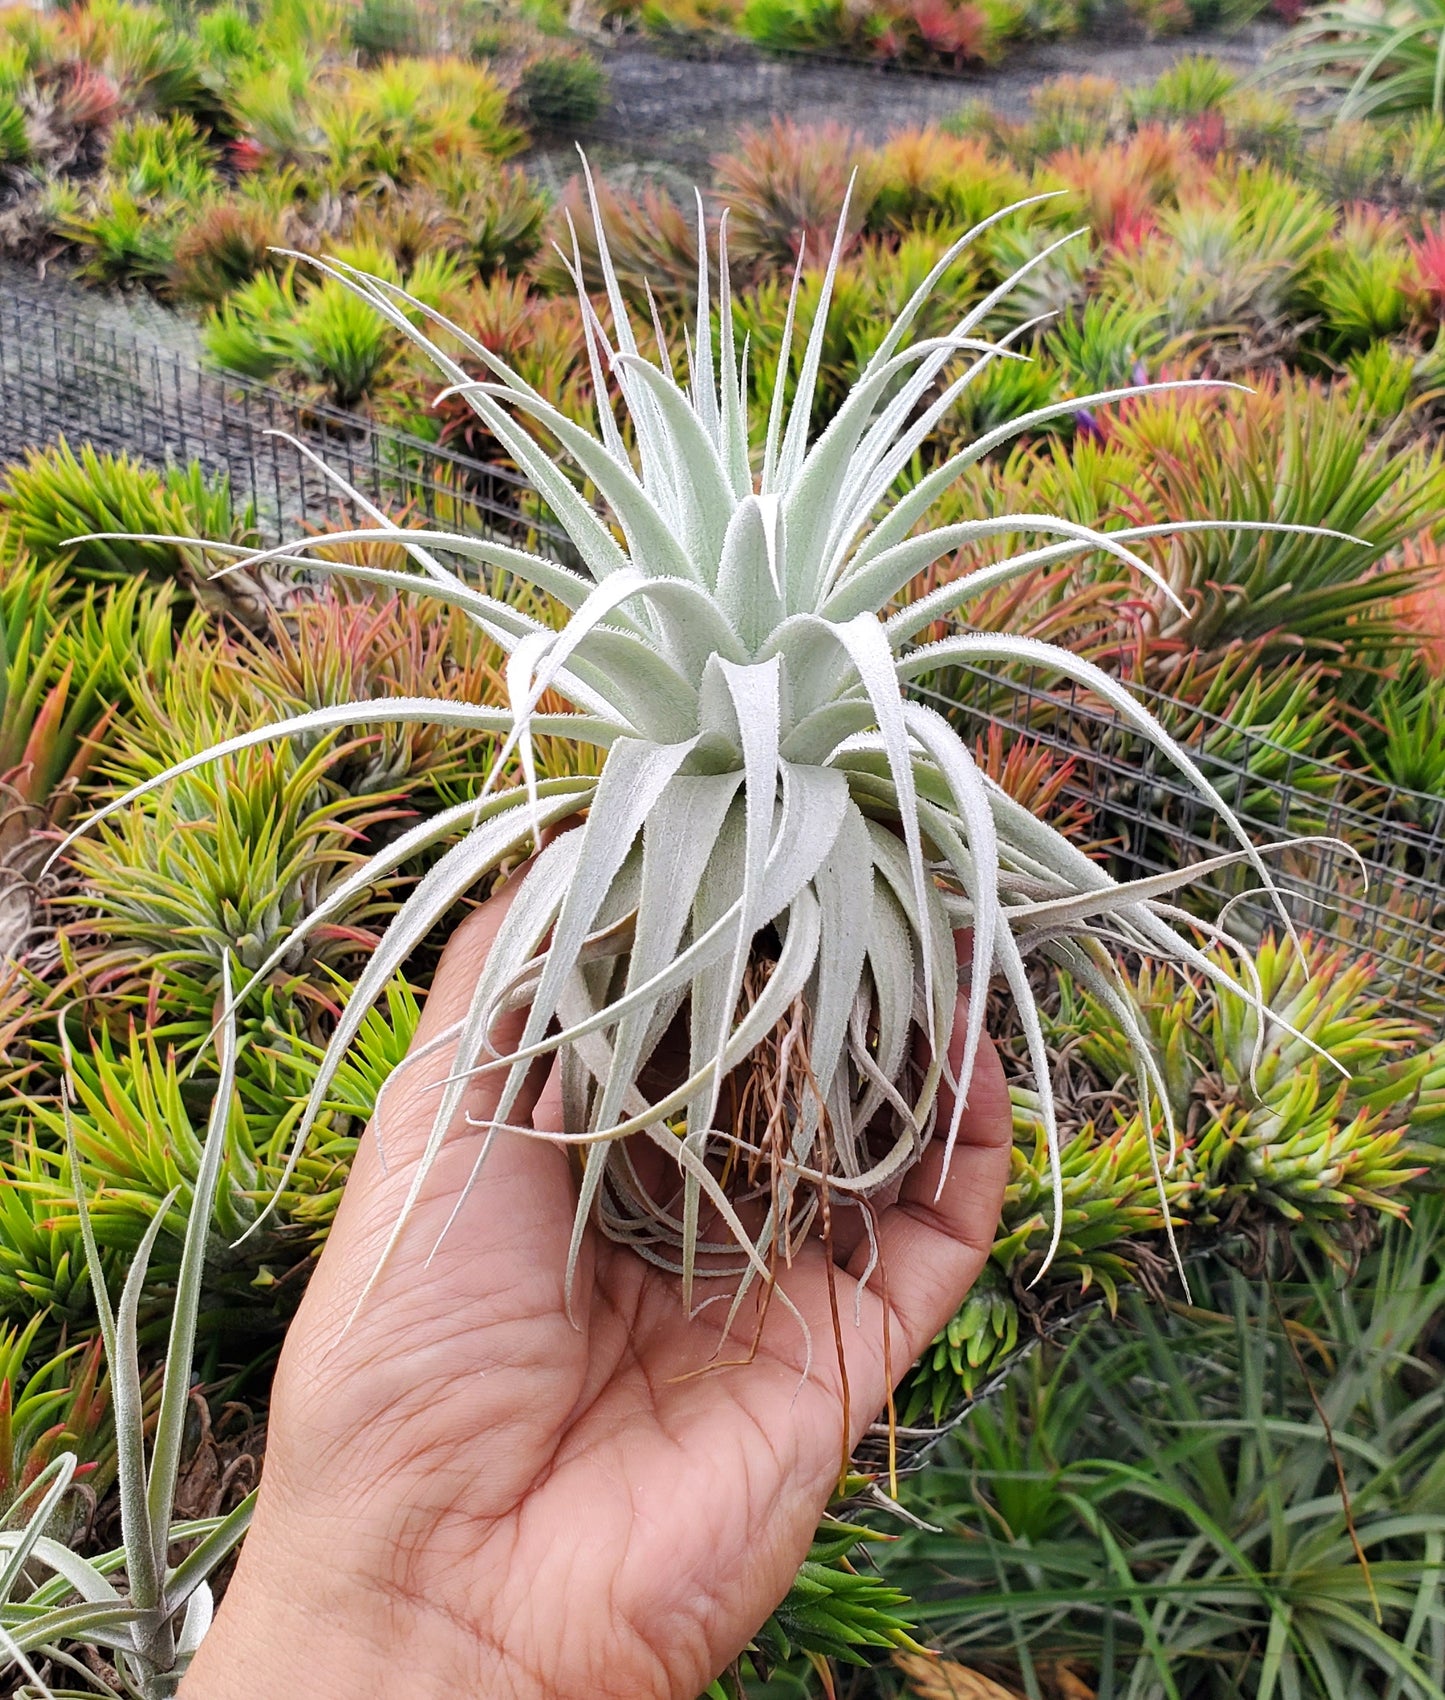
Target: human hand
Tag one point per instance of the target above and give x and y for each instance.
(465, 1495)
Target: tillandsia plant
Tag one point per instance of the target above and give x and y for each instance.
(51, 1597)
(745, 953)
(1380, 59)
(63, 1405)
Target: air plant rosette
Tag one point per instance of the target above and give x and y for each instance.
(737, 940)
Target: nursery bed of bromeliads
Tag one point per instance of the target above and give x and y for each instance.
(1220, 240)
(1289, 657)
(115, 669)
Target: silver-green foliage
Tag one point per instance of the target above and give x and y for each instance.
(1381, 60)
(1246, 1500)
(771, 796)
(150, 1624)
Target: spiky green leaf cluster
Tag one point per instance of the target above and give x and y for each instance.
(1272, 1136)
(1290, 453)
(973, 1344)
(231, 860)
(137, 1125)
(67, 667)
(147, 1613)
(42, 1257)
(60, 1403)
(58, 497)
(833, 1611)
(136, 1133)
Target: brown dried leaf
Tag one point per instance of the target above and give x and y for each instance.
(1065, 1684)
(932, 1678)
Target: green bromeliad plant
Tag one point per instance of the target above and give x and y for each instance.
(1380, 60)
(1278, 1141)
(56, 498)
(1237, 1497)
(782, 840)
(64, 1404)
(147, 1613)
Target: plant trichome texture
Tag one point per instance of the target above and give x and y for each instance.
(739, 945)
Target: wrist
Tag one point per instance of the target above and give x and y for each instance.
(284, 1630)
(294, 1626)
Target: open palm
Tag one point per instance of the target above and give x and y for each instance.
(467, 1494)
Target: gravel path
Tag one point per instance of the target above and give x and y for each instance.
(681, 109)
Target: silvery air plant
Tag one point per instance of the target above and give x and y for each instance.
(147, 1614)
(781, 841)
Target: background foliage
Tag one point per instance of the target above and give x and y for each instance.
(1153, 1506)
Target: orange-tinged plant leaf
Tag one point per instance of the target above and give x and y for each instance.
(1422, 610)
(932, 1678)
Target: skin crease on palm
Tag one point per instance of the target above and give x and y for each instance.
(467, 1495)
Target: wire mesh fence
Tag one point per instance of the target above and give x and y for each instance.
(1356, 861)
(300, 466)
(1377, 886)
